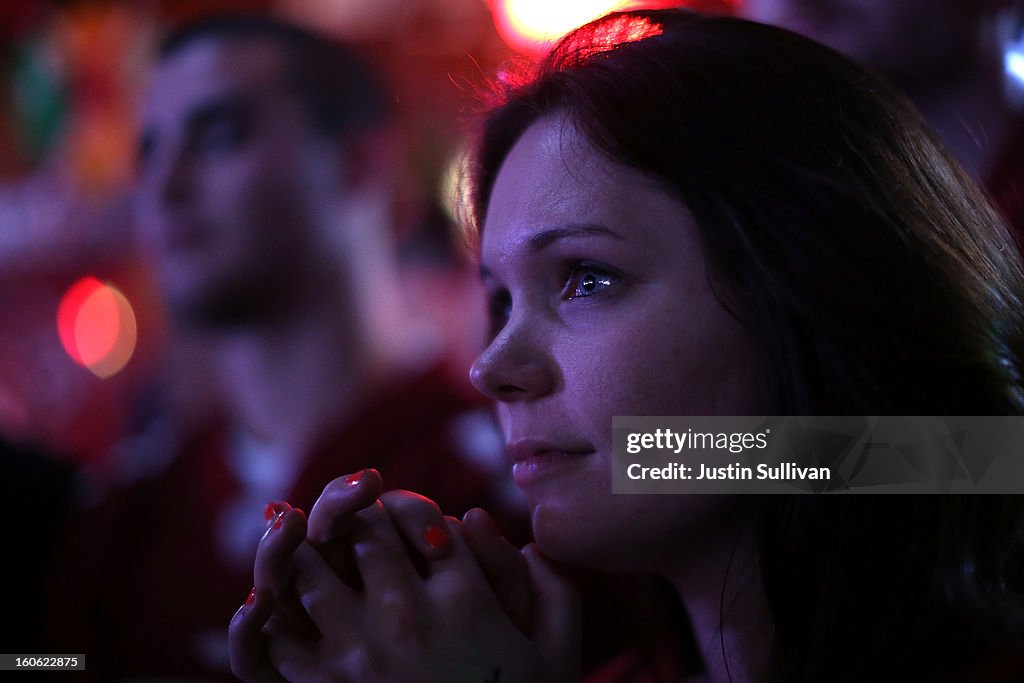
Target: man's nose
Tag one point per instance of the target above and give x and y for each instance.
(167, 178)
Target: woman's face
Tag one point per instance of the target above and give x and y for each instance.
(601, 306)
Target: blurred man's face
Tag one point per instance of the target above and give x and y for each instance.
(232, 181)
(906, 40)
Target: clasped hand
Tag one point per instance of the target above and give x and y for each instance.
(386, 588)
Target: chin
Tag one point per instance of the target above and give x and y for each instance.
(629, 534)
(575, 539)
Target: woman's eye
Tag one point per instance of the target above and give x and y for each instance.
(584, 282)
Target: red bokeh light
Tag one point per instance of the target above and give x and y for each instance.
(97, 327)
(67, 314)
(531, 26)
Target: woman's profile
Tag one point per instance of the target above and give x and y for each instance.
(691, 215)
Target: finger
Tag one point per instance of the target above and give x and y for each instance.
(272, 570)
(332, 514)
(332, 517)
(286, 529)
(457, 586)
(460, 558)
(556, 614)
(246, 642)
(381, 556)
(503, 565)
(420, 522)
(296, 659)
(334, 607)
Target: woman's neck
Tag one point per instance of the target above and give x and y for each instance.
(721, 591)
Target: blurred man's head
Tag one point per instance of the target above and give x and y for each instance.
(906, 40)
(244, 161)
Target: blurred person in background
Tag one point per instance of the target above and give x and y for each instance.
(263, 200)
(948, 57)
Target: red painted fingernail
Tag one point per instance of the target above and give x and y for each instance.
(353, 479)
(299, 510)
(274, 509)
(435, 537)
(278, 522)
(252, 597)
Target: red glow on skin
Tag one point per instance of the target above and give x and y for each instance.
(97, 327)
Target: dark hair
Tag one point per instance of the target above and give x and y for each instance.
(876, 279)
(341, 92)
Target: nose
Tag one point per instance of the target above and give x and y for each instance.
(166, 178)
(177, 178)
(516, 366)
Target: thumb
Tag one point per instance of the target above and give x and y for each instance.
(556, 612)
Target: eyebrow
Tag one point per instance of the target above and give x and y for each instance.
(544, 239)
(227, 104)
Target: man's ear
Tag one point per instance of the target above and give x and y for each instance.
(375, 168)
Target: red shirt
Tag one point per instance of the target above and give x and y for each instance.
(145, 591)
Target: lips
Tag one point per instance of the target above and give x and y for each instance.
(535, 459)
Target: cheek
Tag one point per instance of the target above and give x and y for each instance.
(245, 181)
(661, 362)
(262, 176)
(145, 219)
(504, 420)
(602, 374)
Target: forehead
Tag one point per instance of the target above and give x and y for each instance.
(208, 68)
(553, 177)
